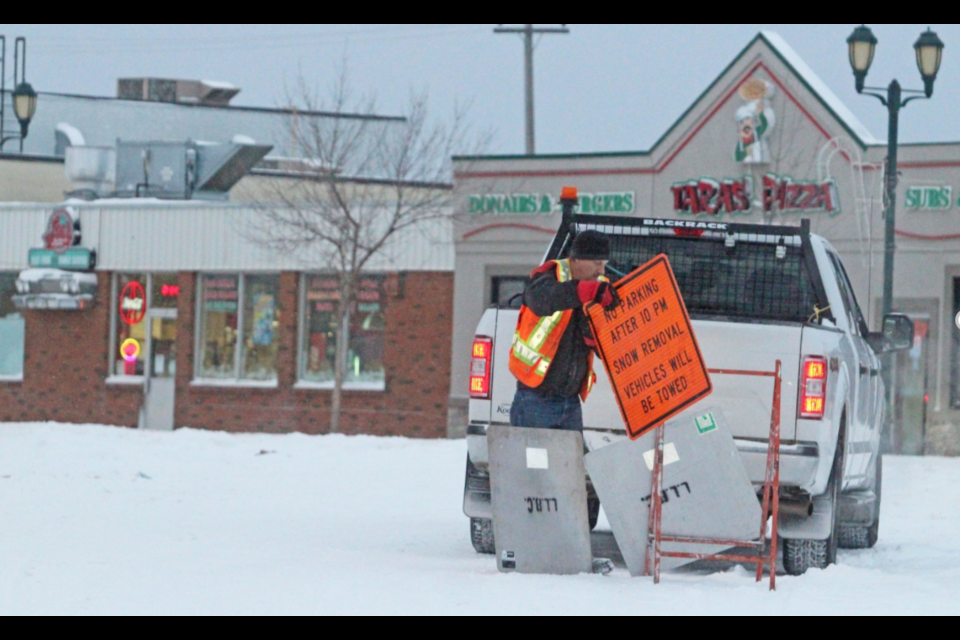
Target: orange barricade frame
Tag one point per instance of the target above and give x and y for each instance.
(770, 507)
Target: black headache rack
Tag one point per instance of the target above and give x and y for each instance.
(724, 269)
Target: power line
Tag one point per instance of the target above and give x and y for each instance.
(528, 31)
(258, 36)
(245, 42)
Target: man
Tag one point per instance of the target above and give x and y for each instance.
(552, 353)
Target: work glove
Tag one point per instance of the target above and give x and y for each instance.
(601, 293)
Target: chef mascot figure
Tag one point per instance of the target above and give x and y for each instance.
(755, 119)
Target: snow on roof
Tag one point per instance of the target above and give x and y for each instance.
(73, 134)
(218, 84)
(39, 275)
(820, 87)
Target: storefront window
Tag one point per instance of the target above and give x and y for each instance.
(137, 297)
(223, 320)
(130, 306)
(260, 327)
(220, 312)
(365, 334)
(11, 329)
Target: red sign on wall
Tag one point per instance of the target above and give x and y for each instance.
(133, 303)
(61, 231)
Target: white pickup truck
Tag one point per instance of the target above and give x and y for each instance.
(756, 294)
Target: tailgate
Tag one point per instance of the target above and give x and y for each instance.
(747, 401)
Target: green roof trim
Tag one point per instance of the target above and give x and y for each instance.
(926, 144)
(558, 156)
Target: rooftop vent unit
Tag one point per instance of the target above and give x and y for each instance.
(203, 92)
(183, 170)
(92, 171)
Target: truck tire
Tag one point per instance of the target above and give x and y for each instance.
(593, 512)
(481, 535)
(801, 555)
(854, 537)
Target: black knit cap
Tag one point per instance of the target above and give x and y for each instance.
(590, 245)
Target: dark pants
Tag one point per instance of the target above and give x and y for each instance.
(539, 411)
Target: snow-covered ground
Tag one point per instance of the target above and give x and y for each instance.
(97, 520)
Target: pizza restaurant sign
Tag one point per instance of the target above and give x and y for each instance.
(615, 202)
(778, 194)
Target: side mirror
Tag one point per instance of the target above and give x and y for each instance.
(897, 334)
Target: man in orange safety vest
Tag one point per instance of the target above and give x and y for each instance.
(553, 348)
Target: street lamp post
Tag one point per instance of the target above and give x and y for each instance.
(24, 97)
(929, 52)
(24, 106)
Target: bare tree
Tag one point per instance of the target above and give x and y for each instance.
(361, 179)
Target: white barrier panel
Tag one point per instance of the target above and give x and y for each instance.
(706, 491)
(539, 495)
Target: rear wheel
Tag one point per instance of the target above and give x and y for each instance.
(858, 537)
(801, 555)
(481, 535)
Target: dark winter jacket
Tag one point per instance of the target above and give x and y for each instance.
(545, 295)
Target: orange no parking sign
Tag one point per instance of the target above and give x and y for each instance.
(648, 348)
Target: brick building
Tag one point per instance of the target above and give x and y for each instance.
(165, 314)
(186, 322)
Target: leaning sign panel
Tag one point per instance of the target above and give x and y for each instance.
(649, 349)
(539, 498)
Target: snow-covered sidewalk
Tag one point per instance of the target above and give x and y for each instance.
(97, 520)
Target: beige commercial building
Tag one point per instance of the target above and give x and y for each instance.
(32, 179)
(766, 142)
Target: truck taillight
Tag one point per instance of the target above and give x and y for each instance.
(813, 387)
(480, 368)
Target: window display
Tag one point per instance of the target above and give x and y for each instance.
(239, 341)
(261, 320)
(365, 332)
(219, 313)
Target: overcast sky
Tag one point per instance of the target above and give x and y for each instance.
(600, 88)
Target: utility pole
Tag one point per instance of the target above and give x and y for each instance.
(528, 31)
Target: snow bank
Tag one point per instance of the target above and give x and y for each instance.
(98, 520)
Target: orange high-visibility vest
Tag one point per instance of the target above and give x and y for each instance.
(536, 340)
